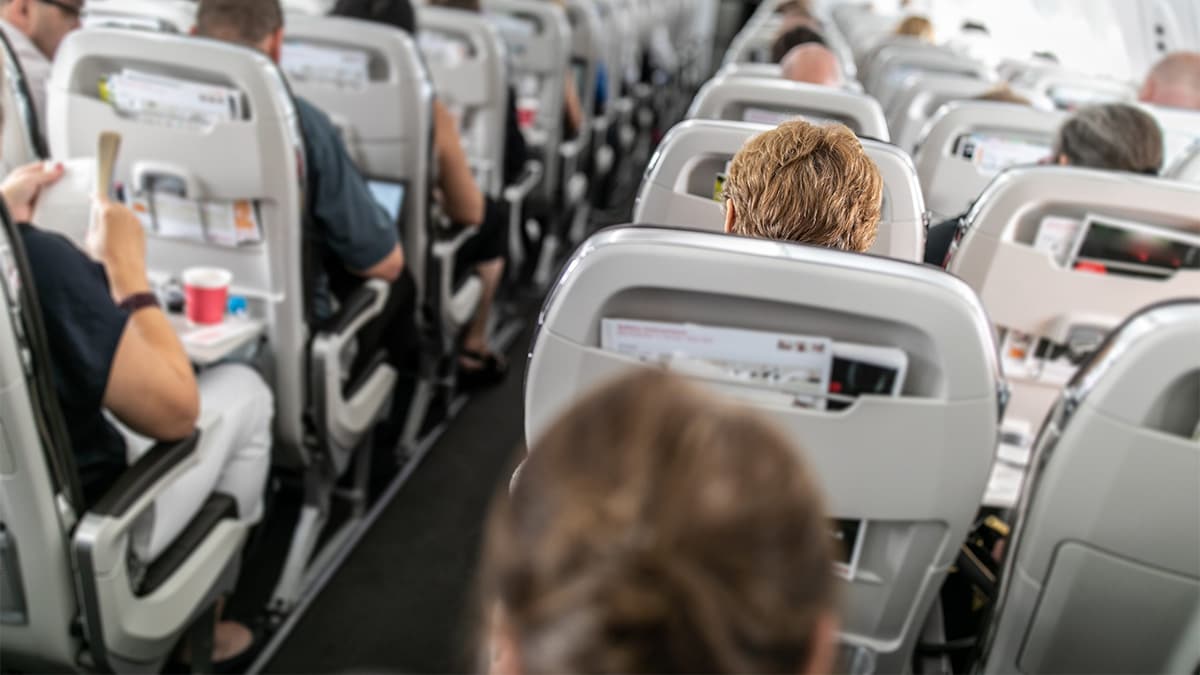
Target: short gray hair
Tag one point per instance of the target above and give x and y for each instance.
(1115, 136)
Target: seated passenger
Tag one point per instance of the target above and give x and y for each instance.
(807, 184)
(461, 199)
(35, 28)
(654, 529)
(1174, 82)
(792, 38)
(1114, 137)
(814, 64)
(918, 27)
(113, 351)
(355, 238)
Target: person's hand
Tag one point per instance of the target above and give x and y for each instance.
(23, 186)
(116, 239)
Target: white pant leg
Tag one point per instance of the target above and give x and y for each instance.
(235, 457)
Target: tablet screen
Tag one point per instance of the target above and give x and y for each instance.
(1141, 250)
(389, 195)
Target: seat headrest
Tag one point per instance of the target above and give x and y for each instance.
(736, 98)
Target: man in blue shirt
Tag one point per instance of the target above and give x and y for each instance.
(355, 238)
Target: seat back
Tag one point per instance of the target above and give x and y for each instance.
(968, 142)
(678, 187)
(770, 100)
(160, 16)
(1070, 90)
(467, 60)
(37, 599)
(1186, 167)
(626, 45)
(939, 432)
(352, 70)
(589, 50)
(862, 26)
(255, 157)
(753, 43)
(538, 38)
(749, 70)
(889, 65)
(1052, 305)
(21, 141)
(920, 97)
(1180, 129)
(1103, 574)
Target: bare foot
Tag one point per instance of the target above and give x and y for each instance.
(230, 639)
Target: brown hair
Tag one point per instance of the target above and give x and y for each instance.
(916, 26)
(245, 22)
(808, 184)
(656, 529)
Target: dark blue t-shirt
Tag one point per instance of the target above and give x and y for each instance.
(84, 327)
(353, 232)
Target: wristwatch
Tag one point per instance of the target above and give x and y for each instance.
(139, 301)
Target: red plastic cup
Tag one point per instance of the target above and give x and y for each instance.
(527, 112)
(206, 294)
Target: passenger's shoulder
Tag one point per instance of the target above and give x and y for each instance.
(312, 118)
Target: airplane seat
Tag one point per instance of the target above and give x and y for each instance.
(630, 295)
(157, 16)
(1181, 132)
(538, 36)
(467, 60)
(890, 65)
(1060, 256)
(967, 143)
(22, 139)
(177, 164)
(595, 158)
(753, 43)
(1069, 90)
(351, 70)
(920, 97)
(73, 596)
(1103, 571)
(772, 100)
(1186, 167)
(678, 188)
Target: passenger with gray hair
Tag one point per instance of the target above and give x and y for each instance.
(1113, 137)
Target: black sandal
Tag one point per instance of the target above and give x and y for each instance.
(493, 370)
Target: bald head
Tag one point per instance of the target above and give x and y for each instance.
(812, 63)
(1174, 82)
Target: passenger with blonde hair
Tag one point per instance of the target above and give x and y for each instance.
(656, 529)
(918, 27)
(805, 183)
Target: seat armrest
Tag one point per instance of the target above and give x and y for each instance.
(515, 195)
(353, 310)
(530, 176)
(456, 305)
(569, 150)
(345, 420)
(151, 471)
